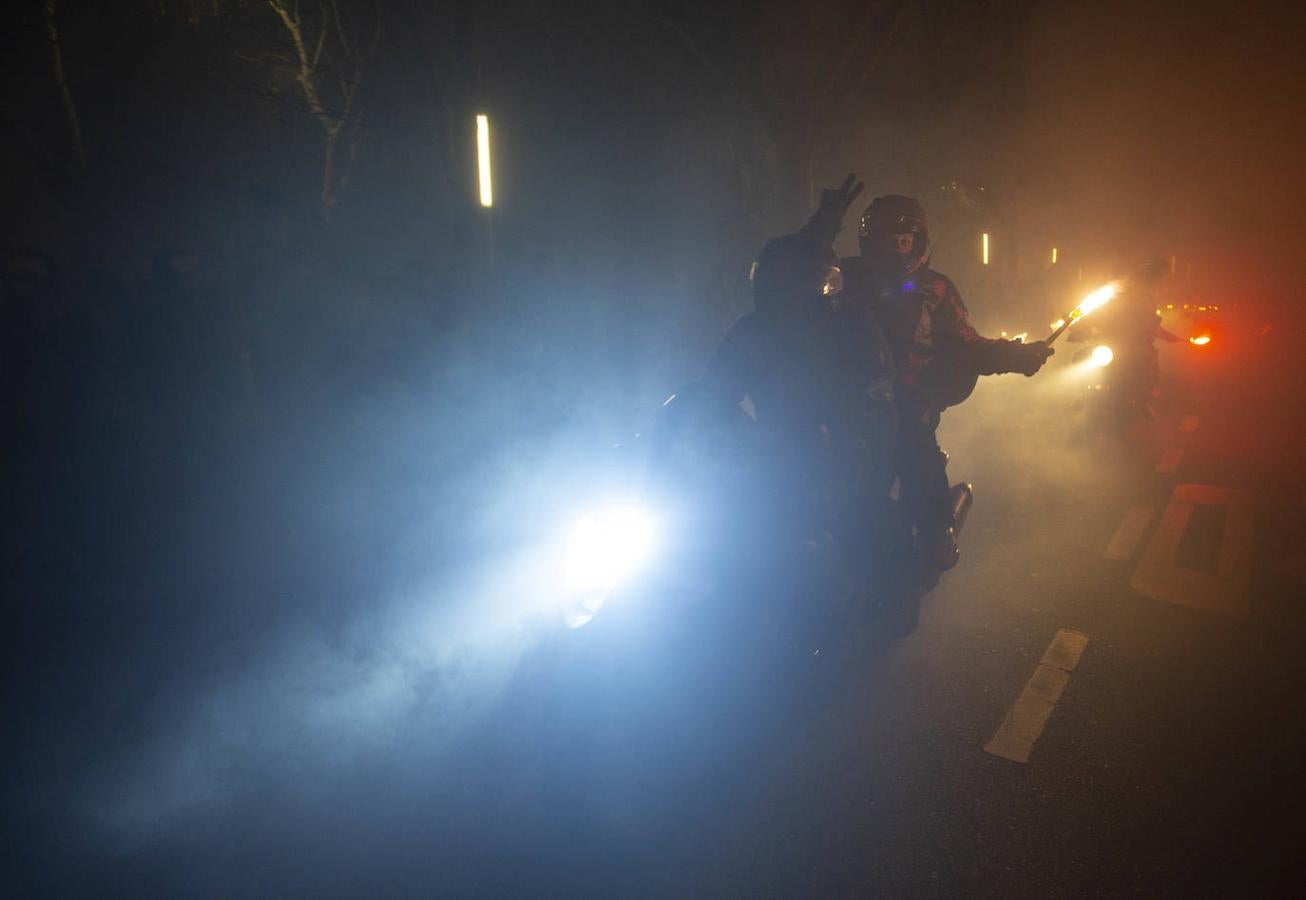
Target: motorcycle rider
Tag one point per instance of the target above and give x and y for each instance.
(801, 357)
(1131, 323)
(938, 355)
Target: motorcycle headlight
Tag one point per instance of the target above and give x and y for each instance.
(1101, 356)
(608, 547)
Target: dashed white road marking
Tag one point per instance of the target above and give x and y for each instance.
(1169, 463)
(1024, 722)
(1188, 424)
(1160, 576)
(1127, 537)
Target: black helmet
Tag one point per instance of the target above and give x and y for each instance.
(886, 226)
(796, 278)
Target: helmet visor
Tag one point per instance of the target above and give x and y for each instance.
(894, 241)
(873, 223)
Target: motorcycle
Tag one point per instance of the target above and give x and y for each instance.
(1123, 383)
(700, 523)
(710, 595)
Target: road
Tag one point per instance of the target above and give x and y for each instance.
(1164, 759)
(1171, 763)
(1103, 698)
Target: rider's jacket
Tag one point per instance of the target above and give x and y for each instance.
(819, 396)
(928, 331)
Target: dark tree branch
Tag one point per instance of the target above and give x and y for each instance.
(61, 82)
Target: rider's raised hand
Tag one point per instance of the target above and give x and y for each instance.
(835, 202)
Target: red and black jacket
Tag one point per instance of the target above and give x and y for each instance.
(937, 352)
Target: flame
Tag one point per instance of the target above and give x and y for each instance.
(1200, 341)
(1098, 298)
(1057, 324)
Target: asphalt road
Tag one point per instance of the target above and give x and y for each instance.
(1171, 765)
(1165, 759)
(1103, 698)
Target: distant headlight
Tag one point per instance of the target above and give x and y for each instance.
(1101, 356)
(609, 547)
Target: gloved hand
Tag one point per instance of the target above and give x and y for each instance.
(828, 218)
(1029, 358)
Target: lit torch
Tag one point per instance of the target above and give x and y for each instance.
(1094, 300)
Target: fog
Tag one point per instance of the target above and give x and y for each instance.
(280, 639)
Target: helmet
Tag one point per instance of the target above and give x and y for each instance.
(796, 278)
(895, 231)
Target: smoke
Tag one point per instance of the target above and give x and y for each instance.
(1169, 129)
(315, 676)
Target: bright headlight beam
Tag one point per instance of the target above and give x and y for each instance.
(1101, 356)
(483, 160)
(606, 548)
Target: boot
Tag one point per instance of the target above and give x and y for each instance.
(940, 548)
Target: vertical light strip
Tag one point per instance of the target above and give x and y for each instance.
(483, 159)
(1054, 256)
(984, 248)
